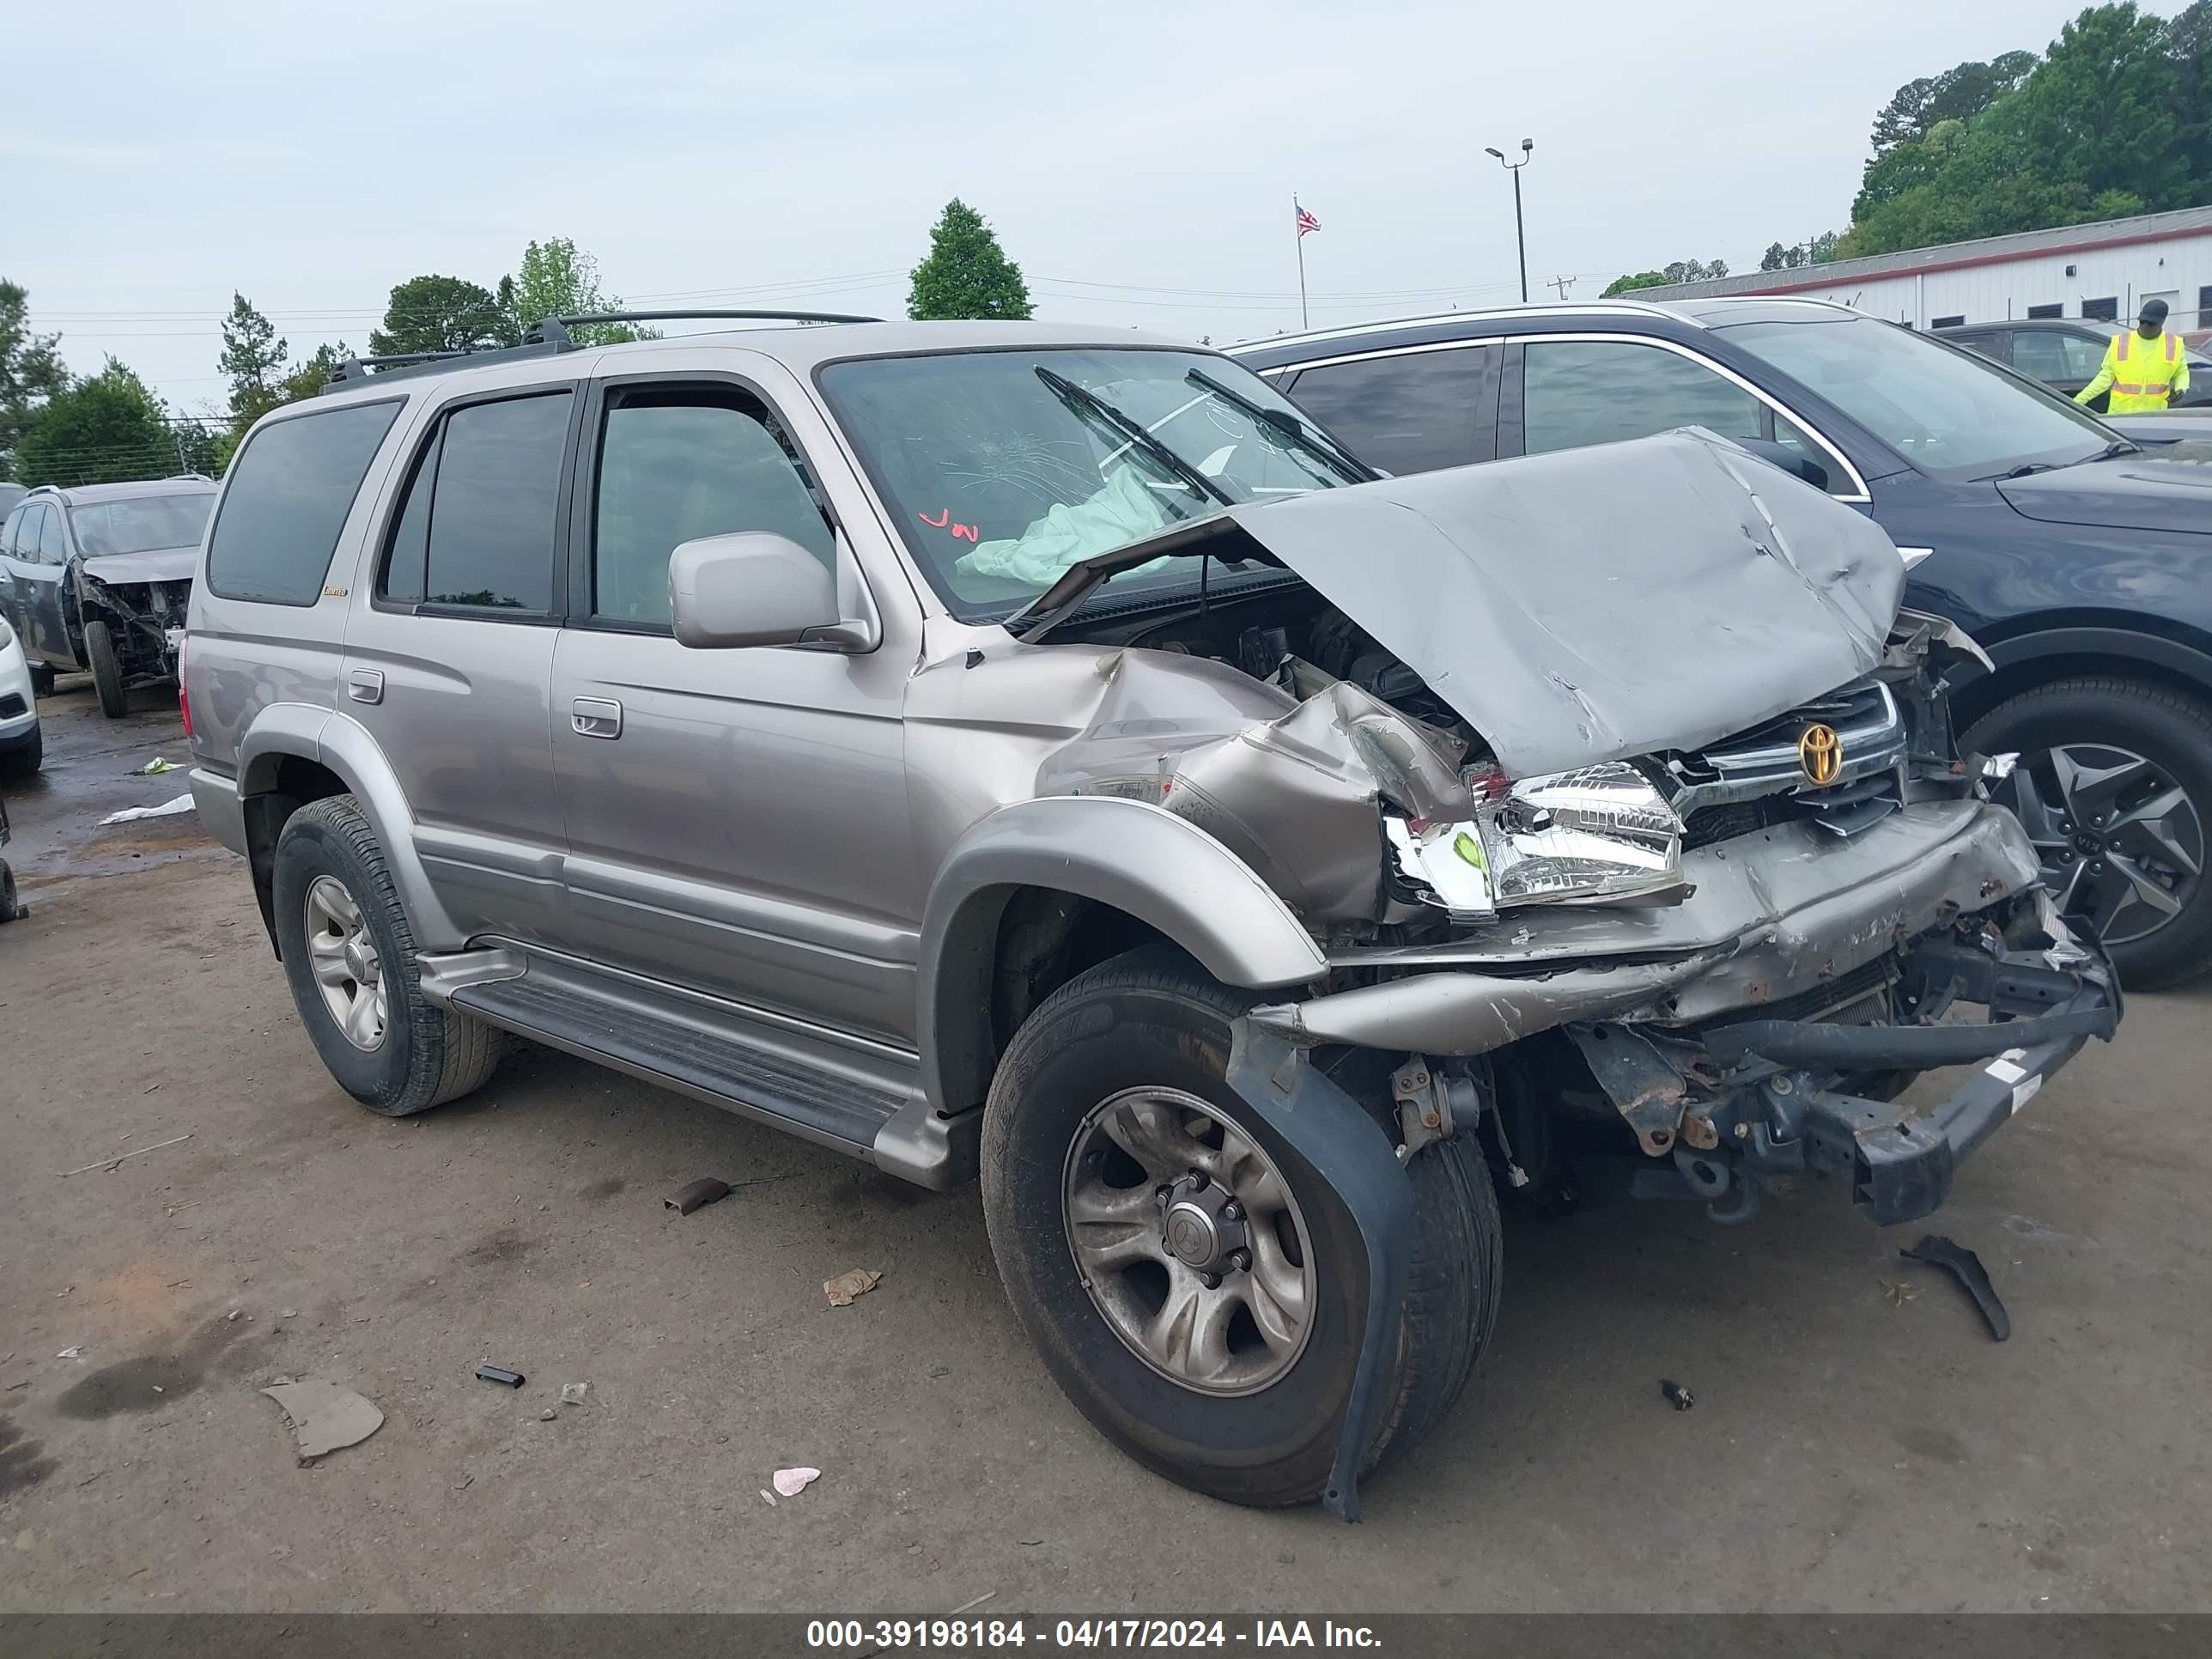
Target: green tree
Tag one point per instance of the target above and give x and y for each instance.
(440, 313)
(556, 278)
(1630, 284)
(966, 273)
(102, 430)
(1682, 270)
(1957, 94)
(31, 371)
(252, 359)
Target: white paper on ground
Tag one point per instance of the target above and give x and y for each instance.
(167, 809)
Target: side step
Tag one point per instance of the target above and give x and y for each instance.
(708, 1052)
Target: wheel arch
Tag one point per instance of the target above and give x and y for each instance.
(1043, 888)
(2024, 661)
(294, 753)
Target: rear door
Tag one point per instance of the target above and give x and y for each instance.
(1411, 410)
(14, 588)
(2062, 359)
(448, 663)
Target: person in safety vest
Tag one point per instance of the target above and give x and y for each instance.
(2147, 368)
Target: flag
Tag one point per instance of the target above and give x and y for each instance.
(1306, 221)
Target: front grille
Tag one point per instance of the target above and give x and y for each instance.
(1755, 780)
(10, 706)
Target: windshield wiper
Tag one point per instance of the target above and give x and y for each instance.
(2117, 448)
(1082, 400)
(1312, 439)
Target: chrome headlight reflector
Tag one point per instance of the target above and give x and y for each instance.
(1595, 834)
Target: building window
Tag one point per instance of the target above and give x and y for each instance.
(2204, 306)
(2046, 311)
(2102, 311)
(1948, 322)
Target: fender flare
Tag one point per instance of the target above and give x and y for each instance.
(1136, 857)
(2174, 656)
(304, 732)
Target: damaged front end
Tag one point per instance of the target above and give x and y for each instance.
(1683, 847)
(142, 598)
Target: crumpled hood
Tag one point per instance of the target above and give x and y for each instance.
(162, 564)
(2168, 489)
(1592, 604)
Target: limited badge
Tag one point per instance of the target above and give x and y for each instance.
(1820, 754)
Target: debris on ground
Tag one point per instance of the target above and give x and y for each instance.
(1966, 1267)
(327, 1417)
(841, 1290)
(76, 1352)
(770, 1496)
(547, 1415)
(792, 1482)
(966, 1606)
(1676, 1396)
(1897, 1292)
(109, 1162)
(698, 1195)
(167, 809)
(500, 1374)
(572, 1394)
(154, 767)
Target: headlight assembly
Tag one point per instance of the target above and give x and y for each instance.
(1598, 834)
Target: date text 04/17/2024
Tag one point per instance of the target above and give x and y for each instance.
(976, 1635)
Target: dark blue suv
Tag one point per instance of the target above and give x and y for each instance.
(2076, 560)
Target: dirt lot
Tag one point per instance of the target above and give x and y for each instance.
(1858, 1442)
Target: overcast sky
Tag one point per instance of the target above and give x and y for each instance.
(1137, 159)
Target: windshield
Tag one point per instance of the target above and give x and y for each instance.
(140, 524)
(1950, 413)
(1004, 468)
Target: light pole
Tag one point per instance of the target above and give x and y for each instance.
(1520, 240)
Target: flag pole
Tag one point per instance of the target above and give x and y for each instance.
(1298, 236)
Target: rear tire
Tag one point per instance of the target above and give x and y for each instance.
(107, 670)
(2098, 720)
(396, 1052)
(1150, 1024)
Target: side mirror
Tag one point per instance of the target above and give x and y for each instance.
(1781, 455)
(752, 587)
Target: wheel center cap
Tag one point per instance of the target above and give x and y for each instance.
(2089, 845)
(1202, 1225)
(360, 961)
(1190, 1235)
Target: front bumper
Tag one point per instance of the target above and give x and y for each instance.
(1740, 1102)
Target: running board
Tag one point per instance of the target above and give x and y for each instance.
(860, 1103)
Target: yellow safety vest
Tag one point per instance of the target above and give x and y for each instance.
(2144, 375)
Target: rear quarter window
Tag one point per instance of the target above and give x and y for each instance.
(290, 489)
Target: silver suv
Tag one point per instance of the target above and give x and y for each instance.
(1023, 749)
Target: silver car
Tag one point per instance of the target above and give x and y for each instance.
(1025, 751)
(95, 578)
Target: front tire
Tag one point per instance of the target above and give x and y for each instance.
(24, 758)
(107, 670)
(2114, 787)
(1113, 1087)
(348, 955)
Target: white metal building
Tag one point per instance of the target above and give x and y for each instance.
(2104, 270)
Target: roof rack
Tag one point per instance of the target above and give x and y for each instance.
(551, 335)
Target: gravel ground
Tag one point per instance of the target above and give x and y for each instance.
(1858, 1442)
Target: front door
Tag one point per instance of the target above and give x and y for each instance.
(736, 819)
(447, 665)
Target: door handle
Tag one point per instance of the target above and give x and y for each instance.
(365, 685)
(596, 717)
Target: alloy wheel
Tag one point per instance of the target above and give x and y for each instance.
(341, 956)
(1188, 1240)
(2121, 843)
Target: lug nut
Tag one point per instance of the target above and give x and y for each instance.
(1162, 1194)
(1212, 1281)
(1198, 1181)
(1241, 1260)
(1232, 1211)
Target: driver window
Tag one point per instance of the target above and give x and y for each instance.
(1601, 391)
(53, 544)
(677, 465)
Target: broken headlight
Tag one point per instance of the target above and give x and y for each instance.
(1599, 833)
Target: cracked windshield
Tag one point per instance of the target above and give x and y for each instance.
(1004, 468)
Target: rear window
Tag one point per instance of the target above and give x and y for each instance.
(290, 490)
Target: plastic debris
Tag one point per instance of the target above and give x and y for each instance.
(572, 1394)
(154, 767)
(167, 809)
(1966, 1267)
(327, 1417)
(1676, 1396)
(109, 1162)
(792, 1482)
(76, 1352)
(841, 1290)
(547, 1415)
(698, 1195)
(500, 1374)
(766, 1493)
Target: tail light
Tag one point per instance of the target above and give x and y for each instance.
(183, 695)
